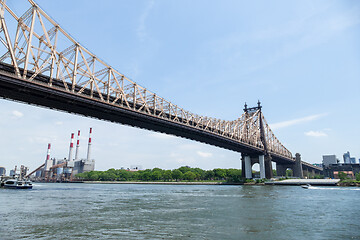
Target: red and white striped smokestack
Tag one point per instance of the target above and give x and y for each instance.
(48, 162)
(89, 146)
(71, 146)
(77, 146)
(48, 152)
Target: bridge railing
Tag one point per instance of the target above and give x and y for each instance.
(38, 48)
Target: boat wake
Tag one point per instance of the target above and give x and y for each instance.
(335, 188)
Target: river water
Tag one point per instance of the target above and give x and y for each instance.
(134, 211)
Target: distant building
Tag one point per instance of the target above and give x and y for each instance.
(2, 171)
(136, 167)
(346, 157)
(83, 165)
(333, 170)
(329, 159)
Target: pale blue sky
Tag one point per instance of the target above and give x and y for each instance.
(300, 58)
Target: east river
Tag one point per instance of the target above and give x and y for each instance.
(134, 211)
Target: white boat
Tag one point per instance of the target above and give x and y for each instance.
(306, 186)
(15, 183)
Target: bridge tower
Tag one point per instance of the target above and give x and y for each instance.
(297, 167)
(263, 159)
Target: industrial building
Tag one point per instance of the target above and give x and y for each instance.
(65, 169)
(333, 170)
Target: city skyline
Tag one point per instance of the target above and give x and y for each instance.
(225, 56)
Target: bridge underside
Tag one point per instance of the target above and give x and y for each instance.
(40, 94)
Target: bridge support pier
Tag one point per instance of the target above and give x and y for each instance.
(242, 166)
(280, 169)
(262, 166)
(248, 173)
(264, 162)
(268, 168)
(297, 170)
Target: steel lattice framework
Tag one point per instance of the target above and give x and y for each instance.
(40, 47)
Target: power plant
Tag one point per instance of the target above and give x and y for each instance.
(64, 170)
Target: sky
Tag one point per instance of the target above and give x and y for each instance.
(301, 59)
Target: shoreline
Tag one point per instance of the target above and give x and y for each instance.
(272, 183)
(161, 183)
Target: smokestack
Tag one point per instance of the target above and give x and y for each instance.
(48, 152)
(48, 163)
(77, 146)
(89, 146)
(71, 147)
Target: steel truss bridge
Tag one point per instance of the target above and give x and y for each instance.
(42, 64)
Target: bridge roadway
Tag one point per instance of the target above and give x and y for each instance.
(39, 92)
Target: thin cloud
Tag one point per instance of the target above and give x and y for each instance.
(296, 121)
(141, 30)
(316, 134)
(16, 114)
(204, 154)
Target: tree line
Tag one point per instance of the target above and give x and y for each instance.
(157, 174)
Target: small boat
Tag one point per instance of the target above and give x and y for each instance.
(306, 186)
(15, 183)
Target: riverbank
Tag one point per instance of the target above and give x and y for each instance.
(161, 183)
(287, 182)
(349, 183)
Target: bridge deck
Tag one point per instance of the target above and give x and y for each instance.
(38, 92)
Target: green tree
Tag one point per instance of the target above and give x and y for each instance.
(234, 175)
(167, 175)
(184, 169)
(209, 175)
(156, 175)
(177, 174)
(189, 176)
(358, 176)
(146, 175)
(342, 175)
(200, 174)
(93, 176)
(107, 176)
(123, 175)
(219, 173)
(289, 173)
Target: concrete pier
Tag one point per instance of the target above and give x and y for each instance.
(248, 173)
(318, 182)
(262, 166)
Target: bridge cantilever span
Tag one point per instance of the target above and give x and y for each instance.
(41, 64)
